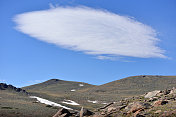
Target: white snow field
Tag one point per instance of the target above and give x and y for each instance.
(44, 101)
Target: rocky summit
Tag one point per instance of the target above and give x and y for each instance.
(152, 104)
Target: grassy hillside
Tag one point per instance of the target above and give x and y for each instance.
(58, 86)
(131, 86)
(16, 104)
(58, 90)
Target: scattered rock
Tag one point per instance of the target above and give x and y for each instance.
(111, 109)
(106, 106)
(62, 113)
(160, 94)
(98, 115)
(137, 114)
(169, 114)
(85, 112)
(165, 92)
(81, 112)
(122, 107)
(173, 91)
(103, 113)
(153, 99)
(134, 107)
(158, 111)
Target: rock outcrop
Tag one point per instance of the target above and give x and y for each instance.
(4, 86)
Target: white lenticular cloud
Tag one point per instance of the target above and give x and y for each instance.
(92, 31)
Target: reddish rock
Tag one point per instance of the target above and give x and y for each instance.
(137, 106)
(137, 113)
(111, 109)
(159, 102)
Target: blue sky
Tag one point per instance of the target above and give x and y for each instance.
(30, 55)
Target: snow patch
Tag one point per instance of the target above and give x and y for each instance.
(93, 101)
(73, 90)
(44, 101)
(81, 85)
(70, 102)
(105, 103)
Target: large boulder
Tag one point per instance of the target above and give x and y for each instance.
(137, 106)
(152, 94)
(159, 102)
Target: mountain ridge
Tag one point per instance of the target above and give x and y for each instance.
(86, 95)
(133, 85)
(56, 89)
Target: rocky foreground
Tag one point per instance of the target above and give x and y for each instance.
(152, 104)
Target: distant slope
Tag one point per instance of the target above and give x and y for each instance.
(15, 102)
(132, 86)
(58, 90)
(56, 86)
